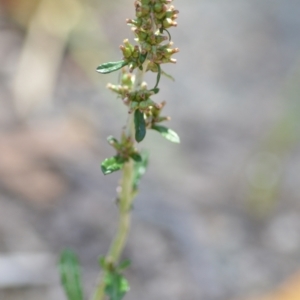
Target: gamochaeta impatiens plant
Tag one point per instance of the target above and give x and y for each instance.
(153, 48)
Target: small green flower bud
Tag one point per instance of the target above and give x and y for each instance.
(112, 141)
(145, 104)
(126, 51)
(133, 106)
(167, 23)
(114, 88)
(172, 14)
(145, 9)
(142, 36)
(152, 67)
(160, 15)
(136, 52)
(158, 7)
(160, 38)
(128, 45)
(127, 79)
(172, 51)
(146, 47)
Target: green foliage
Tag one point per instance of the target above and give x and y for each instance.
(155, 90)
(153, 47)
(158, 76)
(70, 275)
(111, 66)
(143, 57)
(112, 164)
(167, 133)
(124, 264)
(136, 157)
(140, 125)
(167, 75)
(140, 169)
(116, 285)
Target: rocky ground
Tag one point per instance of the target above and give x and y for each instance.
(217, 217)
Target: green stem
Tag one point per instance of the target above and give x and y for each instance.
(126, 197)
(114, 253)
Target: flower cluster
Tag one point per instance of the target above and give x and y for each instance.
(152, 20)
(139, 99)
(125, 148)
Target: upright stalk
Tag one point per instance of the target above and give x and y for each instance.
(125, 199)
(153, 19)
(150, 27)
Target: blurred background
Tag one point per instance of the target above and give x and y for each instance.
(218, 216)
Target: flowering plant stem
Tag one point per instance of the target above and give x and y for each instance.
(126, 197)
(153, 19)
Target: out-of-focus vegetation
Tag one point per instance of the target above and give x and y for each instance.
(52, 28)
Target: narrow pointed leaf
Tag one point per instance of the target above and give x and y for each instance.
(167, 133)
(70, 275)
(158, 76)
(140, 125)
(111, 66)
(167, 75)
(112, 164)
(124, 264)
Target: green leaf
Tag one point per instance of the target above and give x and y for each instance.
(167, 133)
(140, 169)
(113, 142)
(142, 57)
(124, 264)
(156, 90)
(102, 262)
(136, 157)
(140, 125)
(116, 285)
(111, 66)
(112, 164)
(167, 75)
(158, 76)
(70, 275)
